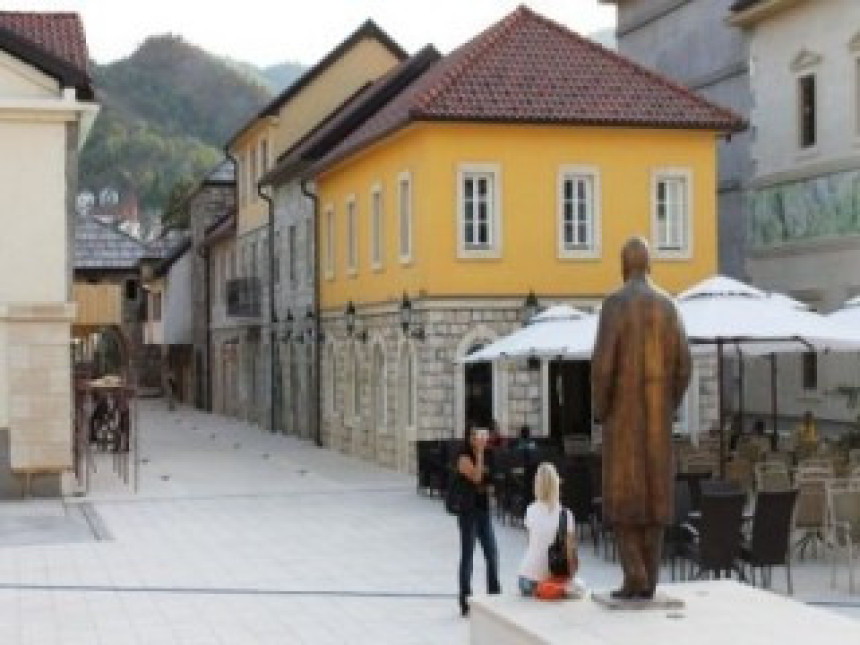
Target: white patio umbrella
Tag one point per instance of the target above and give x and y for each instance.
(848, 315)
(724, 312)
(559, 332)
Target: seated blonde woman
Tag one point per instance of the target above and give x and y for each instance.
(542, 523)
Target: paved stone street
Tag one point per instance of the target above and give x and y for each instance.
(237, 536)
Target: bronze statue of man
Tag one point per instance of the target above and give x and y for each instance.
(639, 373)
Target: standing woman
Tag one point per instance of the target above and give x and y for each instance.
(474, 520)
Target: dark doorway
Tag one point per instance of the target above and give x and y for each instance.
(199, 377)
(569, 400)
(479, 393)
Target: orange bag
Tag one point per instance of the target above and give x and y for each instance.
(552, 589)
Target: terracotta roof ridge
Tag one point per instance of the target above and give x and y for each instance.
(480, 45)
(666, 82)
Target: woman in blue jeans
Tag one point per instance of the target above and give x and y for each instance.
(474, 521)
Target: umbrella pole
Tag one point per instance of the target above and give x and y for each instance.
(720, 411)
(773, 399)
(740, 388)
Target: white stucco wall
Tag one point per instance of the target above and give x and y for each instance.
(824, 29)
(177, 310)
(33, 203)
(22, 81)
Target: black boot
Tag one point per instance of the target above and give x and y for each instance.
(464, 606)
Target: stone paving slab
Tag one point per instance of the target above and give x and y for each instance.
(240, 536)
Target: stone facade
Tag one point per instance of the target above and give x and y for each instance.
(35, 361)
(211, 202)
(376, 426)
(295, 389)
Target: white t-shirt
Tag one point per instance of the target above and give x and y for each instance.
(542, 524)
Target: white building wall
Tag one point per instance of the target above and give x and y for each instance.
(821, 30)
(176, 306)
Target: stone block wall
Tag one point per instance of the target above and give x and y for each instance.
(37, 381)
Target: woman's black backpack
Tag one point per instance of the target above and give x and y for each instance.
(559, 565)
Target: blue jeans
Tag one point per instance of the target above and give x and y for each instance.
(477, 525)
(527, 587)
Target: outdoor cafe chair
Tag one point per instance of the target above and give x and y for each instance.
(816, 463)
(714, 543)
(770, 541)
(810, 514)
(772, 476)
(741, 472)
(843, 526)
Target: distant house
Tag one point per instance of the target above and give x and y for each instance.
(273, 244)
(46, 111)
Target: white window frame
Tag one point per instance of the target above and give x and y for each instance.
(686, 250)
(329, 260)
(377, 228)
(494, 249)
(572, 172)
(406, 216)
(351, 236)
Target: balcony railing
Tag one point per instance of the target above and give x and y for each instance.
(243, 297)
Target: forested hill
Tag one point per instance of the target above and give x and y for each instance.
(166, 112)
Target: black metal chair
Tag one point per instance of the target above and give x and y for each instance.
(714, 544)
(694, 485)
(770, 543)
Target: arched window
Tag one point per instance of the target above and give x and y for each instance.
(332, 381)
(406, 380)
(355, 397)
(379, 389)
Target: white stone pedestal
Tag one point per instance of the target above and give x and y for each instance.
(715, 613)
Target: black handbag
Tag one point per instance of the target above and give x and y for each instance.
(559, 565)
(460, 496)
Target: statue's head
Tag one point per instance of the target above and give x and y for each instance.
(635, 258)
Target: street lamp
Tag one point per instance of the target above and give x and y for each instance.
(350, 323)
(310, 327)
(288, 326)
(531, 308)
(408, 320)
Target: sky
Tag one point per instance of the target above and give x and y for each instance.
(266, 31)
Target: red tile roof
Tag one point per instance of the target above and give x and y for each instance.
(529, 69)
(60, 34)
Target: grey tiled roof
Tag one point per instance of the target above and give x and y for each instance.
(102, 246)
(223, 172)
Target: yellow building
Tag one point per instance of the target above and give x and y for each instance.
(244, 338)
(518, 164)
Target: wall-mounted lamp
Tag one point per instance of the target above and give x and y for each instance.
(531, 308)
(350, 318)
(288, 327)
(408, 319)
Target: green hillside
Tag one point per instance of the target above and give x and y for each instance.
(166, 112)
